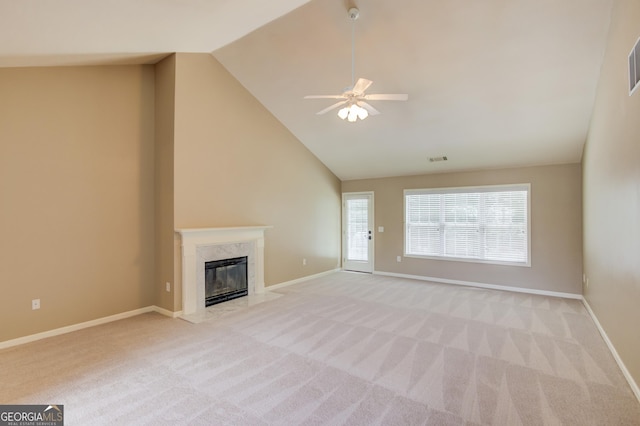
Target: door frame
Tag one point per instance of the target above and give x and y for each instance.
(370, 265)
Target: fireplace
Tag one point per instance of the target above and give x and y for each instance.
(225, 279)
(201, 245)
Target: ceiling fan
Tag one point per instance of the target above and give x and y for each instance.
(354, 99)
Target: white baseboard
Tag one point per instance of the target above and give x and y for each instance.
(483, 285)
(87, 324)
(625, 371)
(300, 280)
(74, 327)
(166, 312)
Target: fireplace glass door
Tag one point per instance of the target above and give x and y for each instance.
(225, 280)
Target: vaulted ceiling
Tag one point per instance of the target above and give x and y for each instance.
(491, 84)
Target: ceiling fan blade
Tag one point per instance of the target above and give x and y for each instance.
(324, 97)
(361, 85)
(387, 97)
(371, 110)
(334, 106)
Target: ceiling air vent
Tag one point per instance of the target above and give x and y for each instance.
(436, 159)
(634, 68)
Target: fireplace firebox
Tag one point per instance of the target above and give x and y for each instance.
(225, 280)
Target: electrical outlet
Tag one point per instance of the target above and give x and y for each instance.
(304, 261)
(167, 286)
(35, 304)
(399, 259)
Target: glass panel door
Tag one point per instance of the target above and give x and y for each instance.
(358, 232)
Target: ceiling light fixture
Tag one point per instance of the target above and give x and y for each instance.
(353, 101)
(353, 112)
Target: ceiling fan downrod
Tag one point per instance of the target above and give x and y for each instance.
(354, 13)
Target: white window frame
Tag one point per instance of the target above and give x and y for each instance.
(471, 189)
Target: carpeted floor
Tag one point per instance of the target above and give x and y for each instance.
(347, 348)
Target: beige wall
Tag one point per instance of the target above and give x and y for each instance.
(612, 194)
(165, 73)
(556, 228)
(236, 165)
(99, 165)
(76, 195)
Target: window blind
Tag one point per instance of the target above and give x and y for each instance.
(357, 228)
(488, 223)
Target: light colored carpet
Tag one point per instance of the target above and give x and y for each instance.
(347, 348)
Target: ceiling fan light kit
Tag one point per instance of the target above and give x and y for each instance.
(352, 113)
(353, 103)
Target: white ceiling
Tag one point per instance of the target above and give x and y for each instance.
(61, 32)
(495, 83)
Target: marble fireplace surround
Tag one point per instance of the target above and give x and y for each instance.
(200, 245)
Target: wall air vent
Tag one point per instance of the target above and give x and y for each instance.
(634, 68)
(436, 159)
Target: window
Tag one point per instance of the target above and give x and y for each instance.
(483, 224)
(634, 68)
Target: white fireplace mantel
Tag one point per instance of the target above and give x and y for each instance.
(198, 244)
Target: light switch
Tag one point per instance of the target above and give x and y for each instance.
(380, 228)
